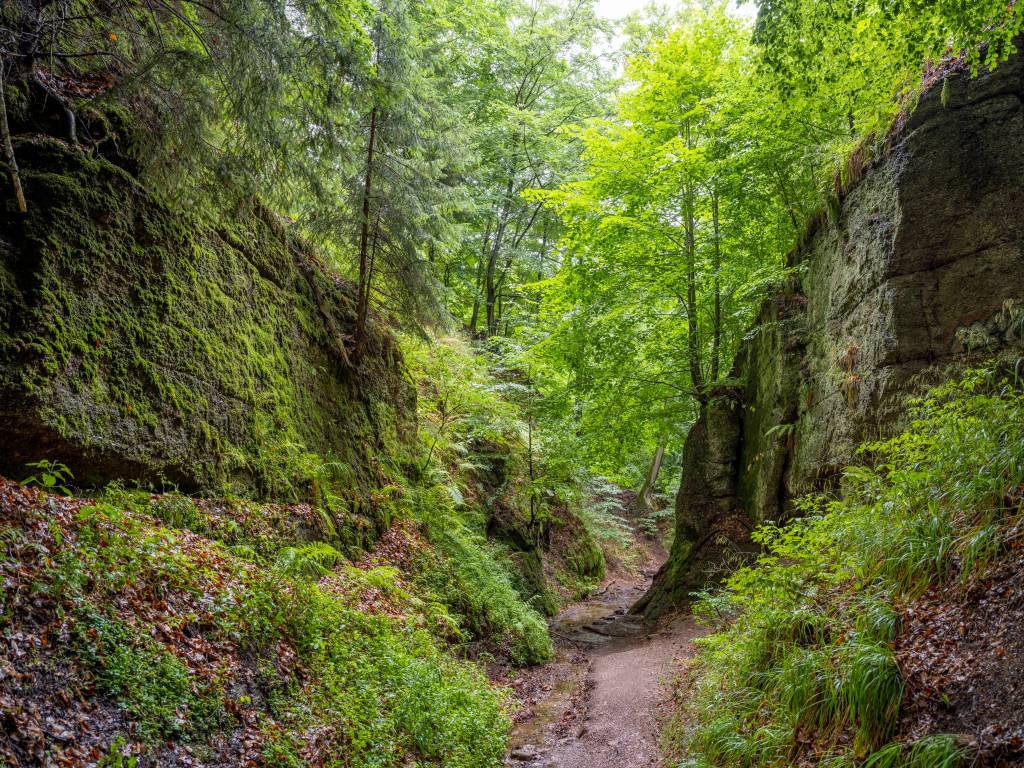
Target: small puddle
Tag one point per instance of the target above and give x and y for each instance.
(548, 712)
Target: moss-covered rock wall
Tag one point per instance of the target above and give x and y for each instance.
(918, 271)
(137, 342)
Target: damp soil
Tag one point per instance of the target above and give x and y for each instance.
(597, 705)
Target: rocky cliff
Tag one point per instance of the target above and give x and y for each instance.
(919, 269)
(137, 341)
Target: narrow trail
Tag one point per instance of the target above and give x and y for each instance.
(596, 705)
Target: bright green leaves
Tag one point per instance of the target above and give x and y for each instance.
(844, 68)
(675, 226)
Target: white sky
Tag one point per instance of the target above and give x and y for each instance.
(616, 9)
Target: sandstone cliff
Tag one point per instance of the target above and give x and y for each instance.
(137, 341)
(919, 270)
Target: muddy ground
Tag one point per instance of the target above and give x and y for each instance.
(597, 705)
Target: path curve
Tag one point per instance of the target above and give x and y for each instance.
(597, 704)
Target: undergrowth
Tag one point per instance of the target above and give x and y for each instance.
(486, 471)
(801, 668)
(191, 640)
(283, 625)
(470, 575)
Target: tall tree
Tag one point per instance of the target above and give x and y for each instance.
(411, 176)
(665, 265)
(542, 75)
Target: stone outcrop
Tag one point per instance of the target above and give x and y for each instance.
(918, 272)
(141, 341)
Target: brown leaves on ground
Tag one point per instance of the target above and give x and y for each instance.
(53, 711)
(962, 654)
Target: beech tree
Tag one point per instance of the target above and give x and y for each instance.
(663, 268)
(545, 77)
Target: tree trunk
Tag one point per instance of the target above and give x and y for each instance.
(716, 265)
(363, 295)
(490, 283)
(692, 320)
(490, 289)
(479, 278)
(644, 496)
(9, 147)
(373, 254)
(533, 500)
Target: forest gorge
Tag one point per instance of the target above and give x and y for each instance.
(462, 383)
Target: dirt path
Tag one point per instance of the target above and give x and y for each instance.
(596, 705)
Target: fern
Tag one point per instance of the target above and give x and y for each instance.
(310, 561)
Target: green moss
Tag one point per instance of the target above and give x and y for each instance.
(530, 582)
(167, 347)
(16, 103)
(585, 558)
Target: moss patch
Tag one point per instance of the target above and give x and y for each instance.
(137, 341)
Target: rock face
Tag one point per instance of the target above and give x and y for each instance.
(919, 272)
(138, 342)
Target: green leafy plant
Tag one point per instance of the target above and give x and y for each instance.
(115, 757)
(309, 561)
(51, 476)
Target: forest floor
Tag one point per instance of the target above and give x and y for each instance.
(600, 702)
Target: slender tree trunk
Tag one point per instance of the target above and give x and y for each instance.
(784, 193)
(693, 341)
(533, 500)
(692, 321)
(491, 299)
(9, 147)
(716, 265)
(490, 291)
(373, 253)
(540, 264)
(363, 296)
(651, 479)
(484, 251)
(490, 284)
